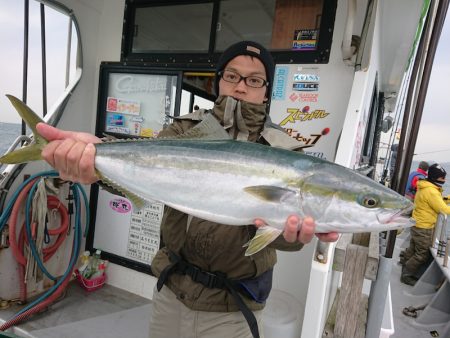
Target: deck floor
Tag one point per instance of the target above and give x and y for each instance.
(115, 313)
(108, 312)
(404, 325)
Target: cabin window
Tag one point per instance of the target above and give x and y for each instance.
(368, 145)
(176, 28)
(194, 33)
(276, 24)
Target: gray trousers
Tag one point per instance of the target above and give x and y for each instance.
(172, 319)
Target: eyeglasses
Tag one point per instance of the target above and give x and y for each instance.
(251, 81)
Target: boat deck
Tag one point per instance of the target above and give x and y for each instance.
(107, 312)
(406, 326)
(113, 313)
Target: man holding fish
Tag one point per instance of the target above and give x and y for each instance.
(214, 276)
(209, 246)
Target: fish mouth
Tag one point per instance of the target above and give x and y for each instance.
(402, 216)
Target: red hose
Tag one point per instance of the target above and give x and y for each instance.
(39, 306)
(18, 247)
(12, 224)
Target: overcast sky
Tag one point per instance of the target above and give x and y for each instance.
(434, 133)
(433, 141)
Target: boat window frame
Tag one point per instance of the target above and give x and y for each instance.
(369, 145)
(208, 60)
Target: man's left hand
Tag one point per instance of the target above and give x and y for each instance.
(302, 230)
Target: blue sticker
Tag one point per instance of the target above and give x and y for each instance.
(115, 120)
(280, 82)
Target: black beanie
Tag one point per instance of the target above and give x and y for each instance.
(435, 171)
(247, 48)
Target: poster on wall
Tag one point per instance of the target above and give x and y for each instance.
(305, 110)
(136, 101)
(124, 231)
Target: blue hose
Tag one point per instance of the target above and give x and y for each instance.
(75, 251)
(7, 211)
(76, 190)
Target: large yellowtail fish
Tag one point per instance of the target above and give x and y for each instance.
(232, 182)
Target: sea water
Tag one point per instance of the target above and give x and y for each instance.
(8, 133)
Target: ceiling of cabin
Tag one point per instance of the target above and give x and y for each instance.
(398, 28)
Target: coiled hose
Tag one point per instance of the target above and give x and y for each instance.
(55, 291)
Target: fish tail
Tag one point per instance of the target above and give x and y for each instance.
(33, 151)
(263, 237)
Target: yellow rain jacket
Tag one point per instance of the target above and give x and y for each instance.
(428, 204)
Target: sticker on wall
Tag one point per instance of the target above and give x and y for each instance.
(118, 130)
(306, 78)
(148, 132)
(302, 115)
(120, 205)
(144, 234)
(115, 105)
(115, 120)
(111, 104)
(305, 39)
(135, 128)
(310, 139)
(128, 107)
(280, 82)
(308, 97)
(139, 119)
(304, 97)
(305, 86)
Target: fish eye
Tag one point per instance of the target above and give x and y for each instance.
(369, 201)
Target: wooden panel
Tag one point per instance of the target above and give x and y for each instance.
(351, 291)
(328, 331)
(292, 15)
(372, 261)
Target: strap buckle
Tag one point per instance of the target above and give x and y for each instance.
(208, 279)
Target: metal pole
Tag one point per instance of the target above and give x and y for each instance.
(44, 62)
(377, 298)
(69, 47)
(26, 7)
(445, 264)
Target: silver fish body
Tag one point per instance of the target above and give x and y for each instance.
(232, 182)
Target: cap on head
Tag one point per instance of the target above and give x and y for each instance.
(435, 171)
(424, 165)
(247, 48)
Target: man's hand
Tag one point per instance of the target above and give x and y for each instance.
(302, 231)
(71, 153)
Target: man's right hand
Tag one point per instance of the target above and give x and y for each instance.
(71, 153)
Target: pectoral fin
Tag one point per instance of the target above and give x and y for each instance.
(263, 237)
(270, 193)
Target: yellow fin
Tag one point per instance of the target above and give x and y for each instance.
(33, 151)
(263, 237)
